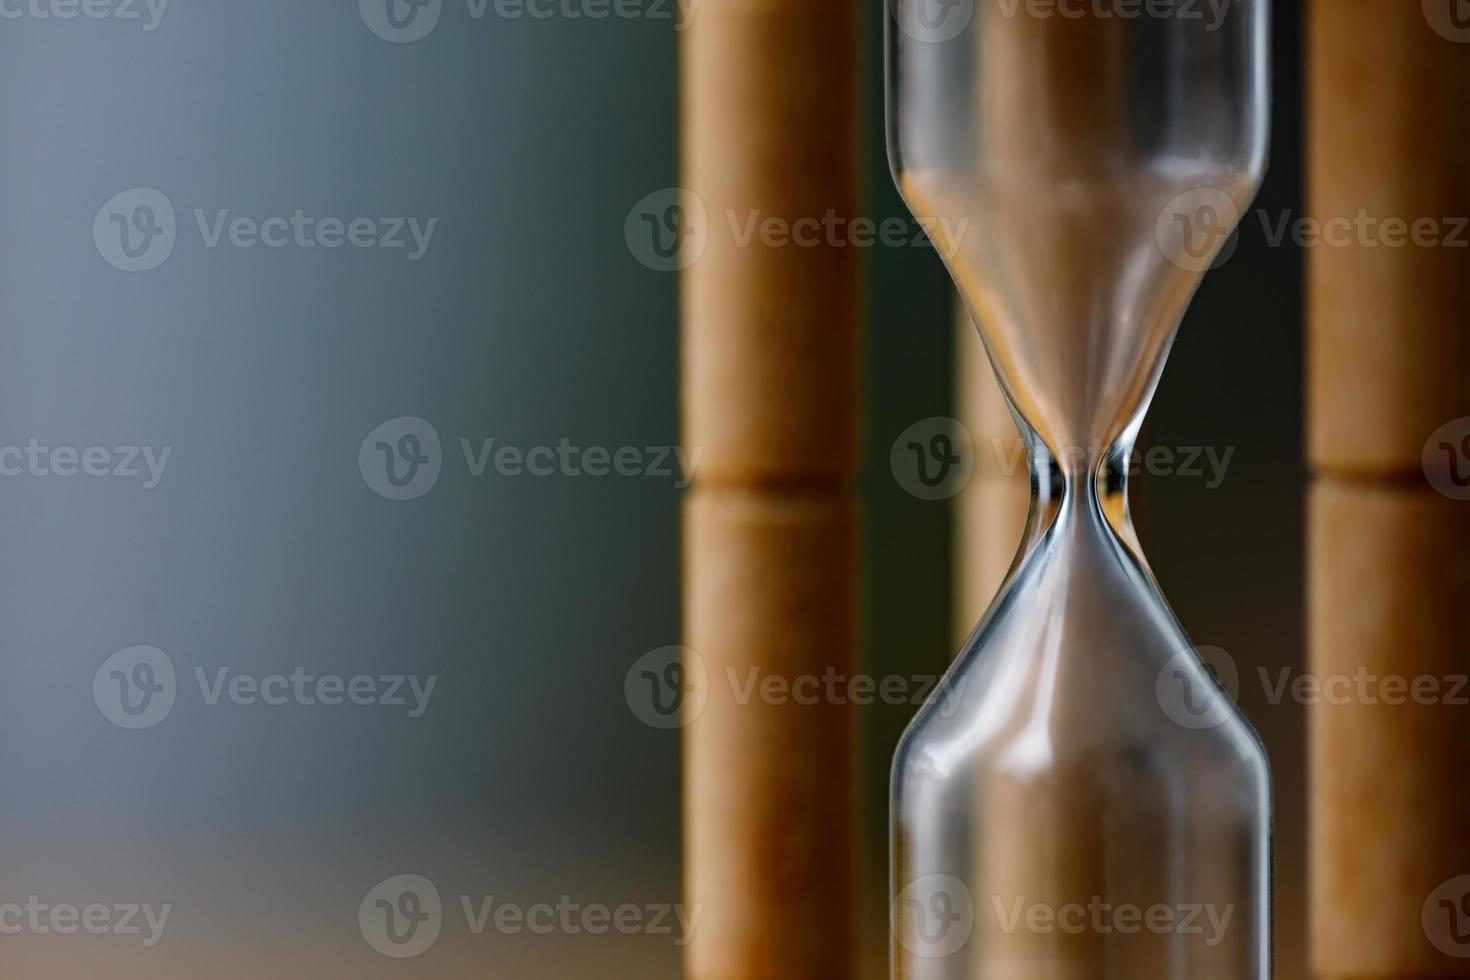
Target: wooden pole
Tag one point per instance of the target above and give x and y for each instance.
(1388, 365)
(991, 510)
(771, 370)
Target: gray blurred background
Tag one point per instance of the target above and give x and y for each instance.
(267, 544)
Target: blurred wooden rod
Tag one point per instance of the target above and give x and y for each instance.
(771, 394)
(991, 510)
(1388, 365)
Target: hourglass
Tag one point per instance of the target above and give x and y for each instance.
(1081, 801)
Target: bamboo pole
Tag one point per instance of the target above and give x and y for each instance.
(1388, 345)
(770, 362)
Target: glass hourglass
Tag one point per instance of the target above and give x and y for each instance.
(1081, 801)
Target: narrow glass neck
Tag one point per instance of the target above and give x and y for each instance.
(1085, 485)
(1094, 471)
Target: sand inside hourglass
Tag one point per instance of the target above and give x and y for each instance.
(1078, 283)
